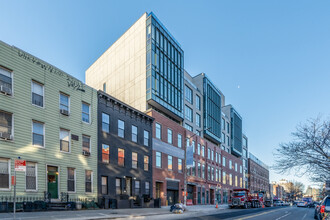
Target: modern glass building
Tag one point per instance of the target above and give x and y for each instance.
(143, 68)
(236, 133)
(164, 68)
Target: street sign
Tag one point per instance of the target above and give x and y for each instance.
(13, 180)
(20, 165)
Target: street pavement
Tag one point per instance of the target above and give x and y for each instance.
(207, 212)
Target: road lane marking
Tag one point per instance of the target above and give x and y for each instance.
(252, 216)
(283, 216)
(304, 216)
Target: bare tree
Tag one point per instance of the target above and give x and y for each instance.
(308, 153)
(294, 190)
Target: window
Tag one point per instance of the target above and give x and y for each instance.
(203, 171)
(188, 113)
(216, 175)
(188, 127)
(169, 162)
(104, 185)
(105, 122)
(219, 176)
(105, 153)
(230, 179)
(216, 157)
(147, 188)
(240, 182)
(64, 104)
(236, 167)
(121, 157)
(203, 151)
(134, 133)
(5, 81)
(194, 169)
(6, 125)
(146, 163)
(208, 172)
(228, 140)
(86, 141)
(227, 127)
(71, 179)
(104, 87)
(198, 120)
(4, 173)
(212, 173)
(224, 178)
(64, 140)
(146, 138)
(179, 140)
(158, 159)
(88, 181)
(158, 131)
(137, 188)
(199, 170)
(134, 160)
(180, 165)
(240, 169)
(188, 94)
(193, 146)
(236, 181)
(223, 137)
(198, 102)
(209, 153)
(85, 112)
(230, 164)
(212, 155)
(198, 149)
(121, 127)
(169, 136)
(223, 161)
(37, 94)
(31, 176)
(38, 134)
(223, 124)
(118, 186)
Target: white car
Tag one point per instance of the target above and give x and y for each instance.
(302, 204)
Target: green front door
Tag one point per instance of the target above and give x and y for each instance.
(52, 179)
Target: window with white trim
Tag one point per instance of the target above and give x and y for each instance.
(6, 125)
(71, 179)
(64, 140)
(85, 113)
(146, 163)
(134, 133)
(4, 173)
(180, 165)
(134, 160)
(31, 176)
(147, 188)
(105, 122)
(6, 81)
(86, 143)
(158, 159)
(64, 103)
(38, 134)
(121, 128)
(37, 94)
(146, 138)
(169, 136)
(88, 181)
(158, 131)
(179, 140)
(169, 162)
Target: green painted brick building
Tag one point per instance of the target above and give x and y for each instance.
(49, 119)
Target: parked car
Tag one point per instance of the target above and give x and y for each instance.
(278, 203)
(323, 210)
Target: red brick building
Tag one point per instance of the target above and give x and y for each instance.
(168, 159)
(258, 176)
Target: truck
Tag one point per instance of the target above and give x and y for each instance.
(244, 199)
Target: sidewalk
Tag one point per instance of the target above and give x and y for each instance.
(144, 213)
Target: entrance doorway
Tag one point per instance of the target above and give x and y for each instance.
(172, 196)
(52, 181)
(129, 186)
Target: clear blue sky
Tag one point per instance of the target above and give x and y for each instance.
(277, 52)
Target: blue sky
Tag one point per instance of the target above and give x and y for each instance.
(269, 58)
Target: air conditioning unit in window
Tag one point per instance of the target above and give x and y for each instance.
(64, 112)
(86, 153)
(5, 90)
(6, 136)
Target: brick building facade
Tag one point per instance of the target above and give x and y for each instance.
(258, 176)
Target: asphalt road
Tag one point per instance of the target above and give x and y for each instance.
(273, 213)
